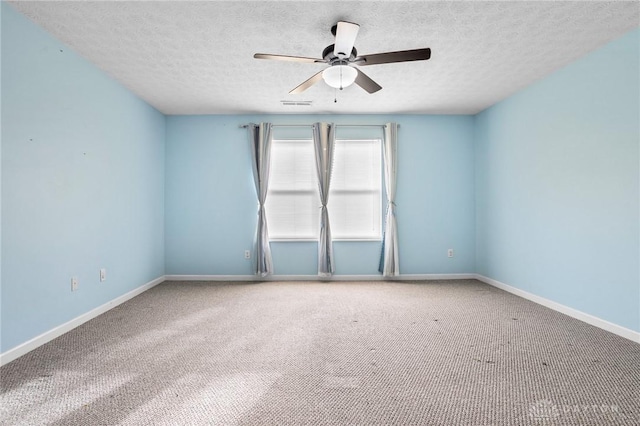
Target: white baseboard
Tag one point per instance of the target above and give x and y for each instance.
(28, 346)
(412, 277)
(632, 335)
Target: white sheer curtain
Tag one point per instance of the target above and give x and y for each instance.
(389, 264)
(260, 136)
(324, 143)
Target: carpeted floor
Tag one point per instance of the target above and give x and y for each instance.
(296, 353)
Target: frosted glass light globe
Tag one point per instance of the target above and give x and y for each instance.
(339, 76)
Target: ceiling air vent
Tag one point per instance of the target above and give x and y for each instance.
(296, 103)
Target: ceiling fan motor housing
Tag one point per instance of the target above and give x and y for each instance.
(327, 55)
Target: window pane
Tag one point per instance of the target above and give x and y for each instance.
(293, 215)
(355, 215)
(356, 165)
(292, 166)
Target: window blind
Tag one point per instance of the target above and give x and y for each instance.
(355, 197)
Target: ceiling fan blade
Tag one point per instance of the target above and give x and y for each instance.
(346, 33)
(287, 58)
(366, 83)
(310, 82)
(391, 57)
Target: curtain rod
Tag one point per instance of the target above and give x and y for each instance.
(244, 126)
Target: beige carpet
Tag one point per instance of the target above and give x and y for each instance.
(296, 353)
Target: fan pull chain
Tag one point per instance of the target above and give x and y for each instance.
(335, 95)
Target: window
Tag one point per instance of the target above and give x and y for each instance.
(355, 197)
(355, 194)
(293, 199)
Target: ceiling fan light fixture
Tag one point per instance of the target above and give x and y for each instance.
(340, 76)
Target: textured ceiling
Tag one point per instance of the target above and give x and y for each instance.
(187, 57)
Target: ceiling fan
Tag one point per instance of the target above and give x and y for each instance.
(340, 57)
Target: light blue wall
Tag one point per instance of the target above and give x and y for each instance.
(557, 170)
(211, 201)
(82, 184)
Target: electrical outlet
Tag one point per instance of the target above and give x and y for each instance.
(247, 254)
(103, 274)
(450, 253)
(74, 283)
